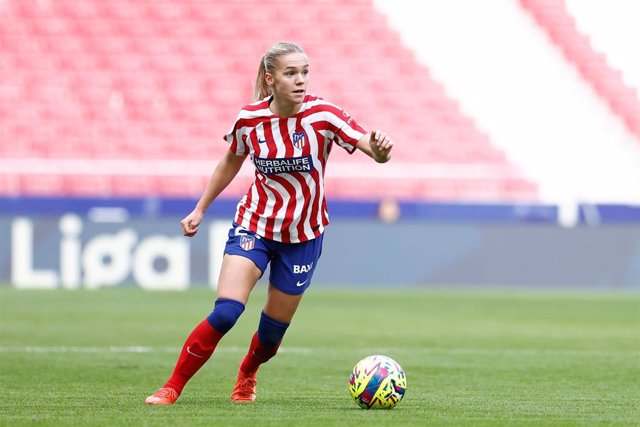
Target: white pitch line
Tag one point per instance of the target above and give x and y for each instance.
(309, 350)
(130, 349)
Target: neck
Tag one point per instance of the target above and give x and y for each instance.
(284, 109)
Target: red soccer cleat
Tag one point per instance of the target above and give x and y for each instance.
(245, 389)
(164, 396)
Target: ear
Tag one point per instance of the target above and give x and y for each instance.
(268, 78)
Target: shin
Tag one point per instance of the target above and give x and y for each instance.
(264, 344)
(203, 340)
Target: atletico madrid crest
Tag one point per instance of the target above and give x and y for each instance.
(298, 139)
(247, 242)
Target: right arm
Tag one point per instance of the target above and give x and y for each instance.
(222, 175)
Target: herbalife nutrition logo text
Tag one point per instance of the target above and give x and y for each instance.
(286, 165)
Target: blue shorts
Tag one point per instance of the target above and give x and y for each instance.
(292, 264)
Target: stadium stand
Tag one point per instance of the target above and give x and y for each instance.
(552, 15)
(160, 82)
(505, 72)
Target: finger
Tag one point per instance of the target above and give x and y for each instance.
(375, 136)
(190, 233)
(388, 143)
(187, 227)
(383, 141)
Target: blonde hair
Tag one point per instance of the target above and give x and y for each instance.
(268, 65)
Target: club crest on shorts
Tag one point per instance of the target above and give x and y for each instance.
(298, 139)
(247, 242)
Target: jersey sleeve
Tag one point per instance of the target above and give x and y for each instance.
(237, 137)
(347, 130)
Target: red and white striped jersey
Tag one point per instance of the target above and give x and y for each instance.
(286, 201)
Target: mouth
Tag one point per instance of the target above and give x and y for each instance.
(298, 92)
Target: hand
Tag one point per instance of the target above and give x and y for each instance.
(381, 145)
(191, 222)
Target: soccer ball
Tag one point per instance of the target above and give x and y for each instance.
(377, 382)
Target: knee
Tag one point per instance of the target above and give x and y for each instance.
(225, 314)
(270, 331)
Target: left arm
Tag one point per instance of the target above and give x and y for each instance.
(377, 145)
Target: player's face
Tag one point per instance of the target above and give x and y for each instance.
(289, 81)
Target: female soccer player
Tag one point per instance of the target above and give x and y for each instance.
(288, 135)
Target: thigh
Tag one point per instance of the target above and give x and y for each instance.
(246, 256)
(238, 276)
(281, 306)
(293, 265)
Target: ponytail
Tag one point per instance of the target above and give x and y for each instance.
(268, 65)
(261, 90)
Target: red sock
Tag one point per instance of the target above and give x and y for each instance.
(197, 349)
(257, 355)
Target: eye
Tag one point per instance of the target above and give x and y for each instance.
(305, 72)
(289, 74)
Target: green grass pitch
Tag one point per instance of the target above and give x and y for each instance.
(471, 358)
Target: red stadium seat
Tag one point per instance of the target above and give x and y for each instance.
(128, 80)
(42, 184)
